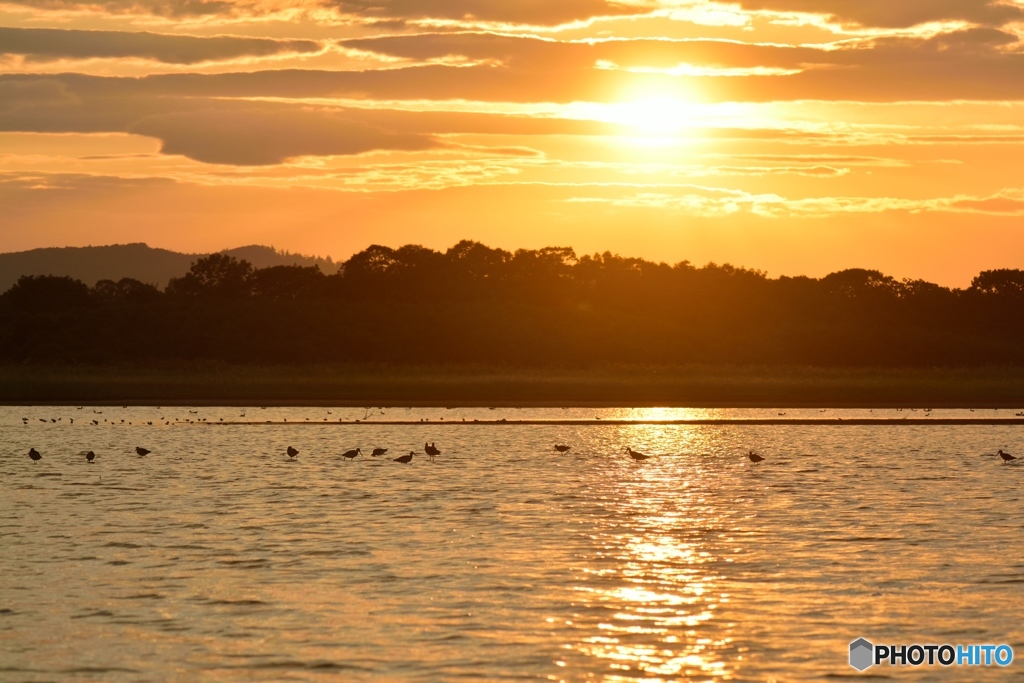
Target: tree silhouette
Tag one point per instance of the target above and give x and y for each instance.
(216, 275)
(476, 304)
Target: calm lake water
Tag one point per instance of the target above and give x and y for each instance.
(215, 558)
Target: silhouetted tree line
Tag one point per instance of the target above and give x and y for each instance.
(482, 305)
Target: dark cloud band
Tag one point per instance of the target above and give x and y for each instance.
(47, 44)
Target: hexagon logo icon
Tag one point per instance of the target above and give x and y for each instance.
(861, 654)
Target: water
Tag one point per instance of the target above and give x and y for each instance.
(215, 558)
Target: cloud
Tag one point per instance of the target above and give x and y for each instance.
(898, 13)
(162, 8)
(224, 118)
(537, 12)
(261, 136)
(979, 64)
(46, 44)
(531, 52)
(211, 130)
(713, 202)
(21, 96)
(380, 13)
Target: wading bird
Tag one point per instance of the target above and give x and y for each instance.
(431, 450)
(405, 458)
(351, 454)
(635, 455)
(562, 449)
(142, 451)
(1005, 456)
(90, 456)
(34, 454)
(292, 452)
(378, 451)
(754, 457)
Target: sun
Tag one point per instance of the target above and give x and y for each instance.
(657, 116)
(650, 116)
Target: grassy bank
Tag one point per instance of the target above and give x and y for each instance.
(615, 386)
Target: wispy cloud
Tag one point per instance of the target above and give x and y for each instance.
(709, 202)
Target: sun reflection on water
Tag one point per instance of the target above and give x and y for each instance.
(653, 592)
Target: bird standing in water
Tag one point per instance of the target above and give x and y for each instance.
(1005, 456)
(431, 450)
(142, 451)
(405, 458)
(754, 457)
(351, 454)
(292, 452)
(34, 454)
(636, 455)
(378, 452)
(562, 449)
(90, 456)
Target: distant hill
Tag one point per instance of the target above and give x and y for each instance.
(139, 261)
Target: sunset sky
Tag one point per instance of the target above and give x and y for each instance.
(792, 136)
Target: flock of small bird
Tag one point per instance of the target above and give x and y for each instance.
(432, 452)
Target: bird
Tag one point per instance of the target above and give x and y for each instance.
(754, 457)
(34, 454)
(378, 451)
(562, 449)
(351, 454)
(142, 451)
(292, 452)
(90, 456)
(431, 450)
(404, 458)
(1005, 456)
(635, 455)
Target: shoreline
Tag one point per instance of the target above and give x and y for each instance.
(390, 403)
(741, 422)
(622, 386)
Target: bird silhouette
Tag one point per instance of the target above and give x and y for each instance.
(292, 452)
(351, 454)
(90, 456)
(1005, 456)
(636, 455)
(34, 454)
(378, 451)
(562, 449)
(754, 457)
(142, 451)
(431, 450)
(404, 458)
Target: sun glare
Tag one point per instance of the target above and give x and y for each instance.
(648, 117)
(658, 116)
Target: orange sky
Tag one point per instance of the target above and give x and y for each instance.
(792, 136)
